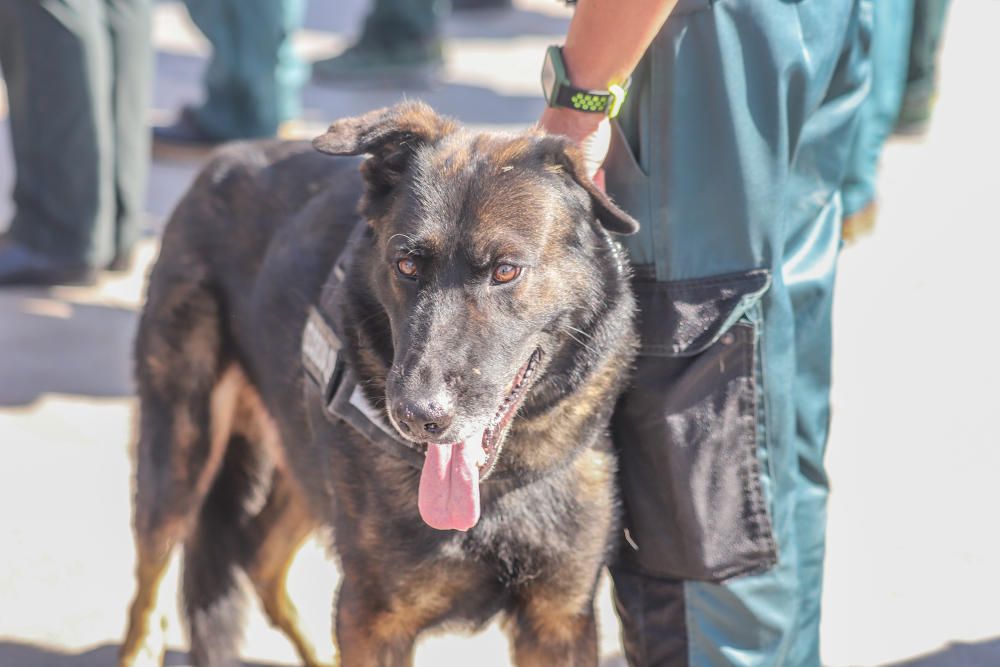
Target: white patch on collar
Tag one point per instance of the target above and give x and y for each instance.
(361, 402)
(320, 347)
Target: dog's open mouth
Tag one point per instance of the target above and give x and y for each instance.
(496, 430)
(449, 482)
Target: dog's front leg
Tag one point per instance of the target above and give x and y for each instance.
(372, 634)
(547, 632)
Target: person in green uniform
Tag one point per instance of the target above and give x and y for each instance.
(78, 79)
(893, 22)
(730, 148)
(253, 80)
(905, 41)
(922, 71)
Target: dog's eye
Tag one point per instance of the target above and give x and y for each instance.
(504, 273)
(407, 267)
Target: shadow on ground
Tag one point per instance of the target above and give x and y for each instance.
(472, 24)
(16, 654)
(29, 655)
(64, 348)
(978, 654)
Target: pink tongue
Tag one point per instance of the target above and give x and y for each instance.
(449, 487)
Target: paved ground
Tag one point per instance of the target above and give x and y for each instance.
(911, 578)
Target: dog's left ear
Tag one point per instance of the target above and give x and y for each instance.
(567, 155)
(390, 136)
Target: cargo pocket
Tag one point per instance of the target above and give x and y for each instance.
(687, 432)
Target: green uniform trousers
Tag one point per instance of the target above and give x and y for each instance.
(78, 75)
(731, 150)
(253, 79)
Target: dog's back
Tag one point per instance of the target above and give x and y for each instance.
(247, 194)
(206, 445)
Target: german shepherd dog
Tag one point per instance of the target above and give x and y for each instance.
(467, 288)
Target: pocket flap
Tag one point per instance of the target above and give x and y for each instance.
(683, 317)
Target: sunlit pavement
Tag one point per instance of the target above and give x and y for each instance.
(913, 541)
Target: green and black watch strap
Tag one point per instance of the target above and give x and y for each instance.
(559, 92)
(583, 100)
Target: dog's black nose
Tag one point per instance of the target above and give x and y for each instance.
(421, 418)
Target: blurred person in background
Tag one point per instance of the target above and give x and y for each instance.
(400, 43)
(922, 70)
(253, 79)
(905, 44)
(730, 149)
(78, 80)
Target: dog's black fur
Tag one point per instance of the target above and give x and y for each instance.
(233, 460)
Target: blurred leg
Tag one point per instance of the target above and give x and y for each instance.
(392, 22)
(921, 79)
(131, 52)
(893, 20)
(56, 63)
(253, 80)
(400, 43)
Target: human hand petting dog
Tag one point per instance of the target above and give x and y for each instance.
(603, 46)
(591, 131)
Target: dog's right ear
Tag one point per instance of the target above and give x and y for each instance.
(390, 136)
(565, 155)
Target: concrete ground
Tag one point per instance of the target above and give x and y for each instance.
(913, 541)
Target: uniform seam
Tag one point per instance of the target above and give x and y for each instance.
(759, 517)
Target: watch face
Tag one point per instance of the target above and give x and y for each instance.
(548, 78)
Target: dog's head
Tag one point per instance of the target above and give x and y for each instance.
(492, 255)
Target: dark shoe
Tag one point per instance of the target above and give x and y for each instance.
(22, 266)
(184, 138)
(409, 63)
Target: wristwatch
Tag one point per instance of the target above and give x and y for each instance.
(559, 92)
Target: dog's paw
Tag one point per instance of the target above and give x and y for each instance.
(147, 651)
